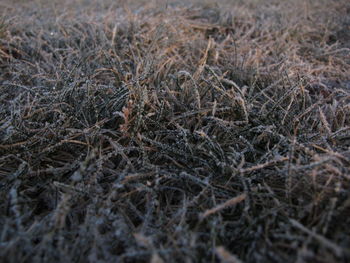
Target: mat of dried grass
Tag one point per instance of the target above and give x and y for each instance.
(136, 131)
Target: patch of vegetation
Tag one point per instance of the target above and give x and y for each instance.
(177, 132)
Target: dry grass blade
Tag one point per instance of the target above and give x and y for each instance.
(225, 256)
(234, 201)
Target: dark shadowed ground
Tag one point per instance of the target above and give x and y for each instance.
(154, 131)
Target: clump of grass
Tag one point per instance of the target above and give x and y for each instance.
(178, 132)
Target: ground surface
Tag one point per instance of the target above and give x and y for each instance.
(174, 132)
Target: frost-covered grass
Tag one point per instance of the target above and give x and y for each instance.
(138, 131)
